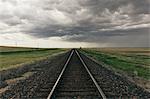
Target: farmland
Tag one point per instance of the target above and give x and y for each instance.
(11, 57)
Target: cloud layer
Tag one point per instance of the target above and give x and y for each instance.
(116, 22)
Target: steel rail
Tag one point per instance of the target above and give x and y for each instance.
(58, 79)
(93, 79)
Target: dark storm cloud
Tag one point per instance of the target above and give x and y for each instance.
(77, 20)
(108, 34)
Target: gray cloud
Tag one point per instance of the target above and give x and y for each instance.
(95, 21)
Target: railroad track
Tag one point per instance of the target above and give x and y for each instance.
(74, 81)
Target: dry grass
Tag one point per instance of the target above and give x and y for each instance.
(13, 57)
(10, 49)
(139, 51)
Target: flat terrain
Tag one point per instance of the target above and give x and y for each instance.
(15, 56)
(134, 62)
(35, 81)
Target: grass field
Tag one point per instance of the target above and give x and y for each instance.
(11, 49)
(11, 57)
(133, 61)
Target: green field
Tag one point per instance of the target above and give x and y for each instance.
(133, 61)
(12, 57)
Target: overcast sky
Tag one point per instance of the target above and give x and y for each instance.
(74, 23)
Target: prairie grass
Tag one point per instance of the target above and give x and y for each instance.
(10, 59)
